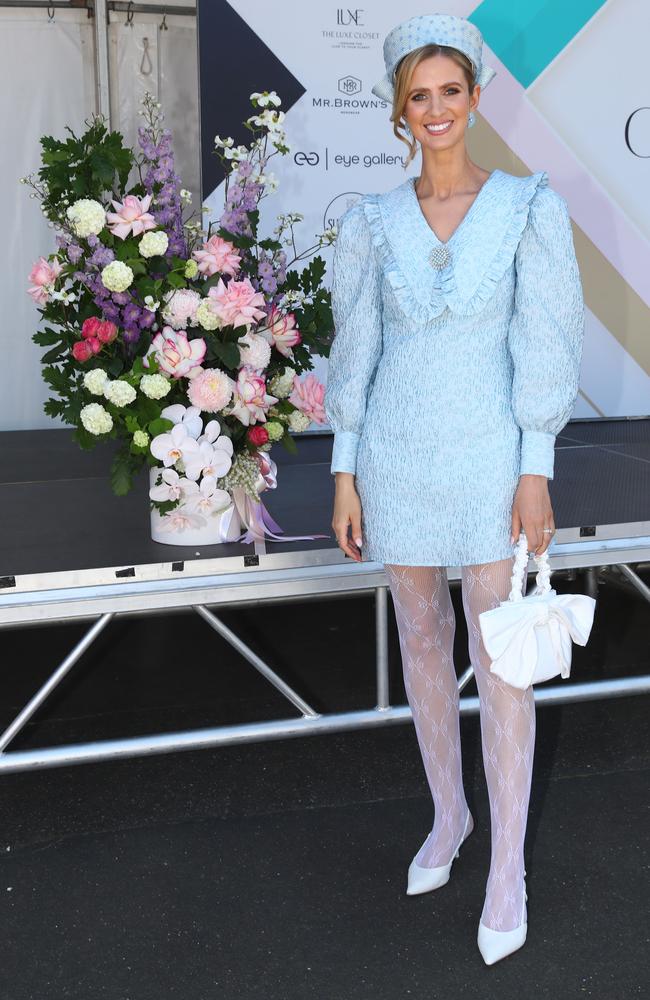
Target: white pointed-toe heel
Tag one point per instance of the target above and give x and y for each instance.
(425, 879)
(494, 945)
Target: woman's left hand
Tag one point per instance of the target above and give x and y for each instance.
(532, 512)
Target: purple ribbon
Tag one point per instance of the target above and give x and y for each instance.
(260, 525)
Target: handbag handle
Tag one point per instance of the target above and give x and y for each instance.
(543, 578)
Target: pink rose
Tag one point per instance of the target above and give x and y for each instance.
(217, 255)
(81, 350)
(250, 398)
(237, 303)
(257, 435)
(281, 331)
(308, 396)
(130, 216)
(106, 332)
(90, 327)
(43, 275)
(176, 355)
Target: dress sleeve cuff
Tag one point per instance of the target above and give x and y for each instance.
(344, 451)
(537, 453)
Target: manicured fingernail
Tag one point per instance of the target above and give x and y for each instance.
(358, 542)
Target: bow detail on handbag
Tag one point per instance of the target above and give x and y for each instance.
(529, 638)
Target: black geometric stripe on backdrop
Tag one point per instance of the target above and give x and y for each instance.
(233, 63)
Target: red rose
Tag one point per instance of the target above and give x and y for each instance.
(81, 350)
(258, 435)
(106, 332)
(90, 327)
(94, 345)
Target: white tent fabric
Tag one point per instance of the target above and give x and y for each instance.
(47, 79)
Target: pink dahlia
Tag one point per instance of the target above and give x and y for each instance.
(308, 396)
(180, 308)
(130, 216)
(176, 355)
(281, 331)
(210, 390)
(217, 256)
(237, 303)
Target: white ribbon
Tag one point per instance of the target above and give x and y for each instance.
(529, 640)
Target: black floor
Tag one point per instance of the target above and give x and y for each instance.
(277, 870)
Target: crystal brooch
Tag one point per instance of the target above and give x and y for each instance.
(439, 257)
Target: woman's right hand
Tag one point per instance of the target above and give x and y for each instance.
(347, 514)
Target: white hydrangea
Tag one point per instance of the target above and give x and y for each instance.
(119, 393)
(96, 419)
(274, 429)
(140, 439)
(117, 276)
(254, 350)
(154, 244)
(282, 385)
(155, 386)
(87, 217)
(299, 421)
(95, 380)
(205, 317)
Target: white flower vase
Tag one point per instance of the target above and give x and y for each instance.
(185, 526)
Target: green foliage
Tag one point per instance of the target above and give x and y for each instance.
(289, 442)
(159, 426)
(125, 466)
(85, 166)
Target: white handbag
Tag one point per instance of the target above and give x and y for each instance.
(528, 638)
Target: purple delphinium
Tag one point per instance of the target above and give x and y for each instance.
(161, 181)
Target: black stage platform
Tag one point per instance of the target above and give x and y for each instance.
(72, 552)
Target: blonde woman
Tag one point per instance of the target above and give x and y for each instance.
(459, 322)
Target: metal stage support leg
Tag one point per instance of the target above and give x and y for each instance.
(256, 661)
(35, 703)
(381, 640)
(642, 587)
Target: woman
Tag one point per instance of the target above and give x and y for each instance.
(459, 323)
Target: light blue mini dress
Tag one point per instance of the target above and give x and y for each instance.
(453, 366)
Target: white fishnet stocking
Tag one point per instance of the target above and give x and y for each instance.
(508, 742)
(426, 626)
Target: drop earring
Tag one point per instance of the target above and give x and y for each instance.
(471, 119)
(408, 131)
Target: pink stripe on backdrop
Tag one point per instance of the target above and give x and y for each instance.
(534, 140)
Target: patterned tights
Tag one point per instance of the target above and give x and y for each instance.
(426, 624)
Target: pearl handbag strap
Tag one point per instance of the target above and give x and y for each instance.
(543, 578)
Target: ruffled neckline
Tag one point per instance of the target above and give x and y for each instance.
(467, 218)
(481, 247)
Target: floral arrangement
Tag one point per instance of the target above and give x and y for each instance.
(189, 345)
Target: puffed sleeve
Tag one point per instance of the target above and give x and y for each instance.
(356, 347)
(546, 331)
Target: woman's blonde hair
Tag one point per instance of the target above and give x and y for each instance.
(404, 75)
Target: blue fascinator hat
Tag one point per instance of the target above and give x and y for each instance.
(432, 29)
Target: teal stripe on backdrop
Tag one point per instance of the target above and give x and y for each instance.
(529, 34)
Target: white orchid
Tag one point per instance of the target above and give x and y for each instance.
(180, 520)
(208, 498)
(208, 460)
(188, 416)
(172, 487)
(174, 446)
